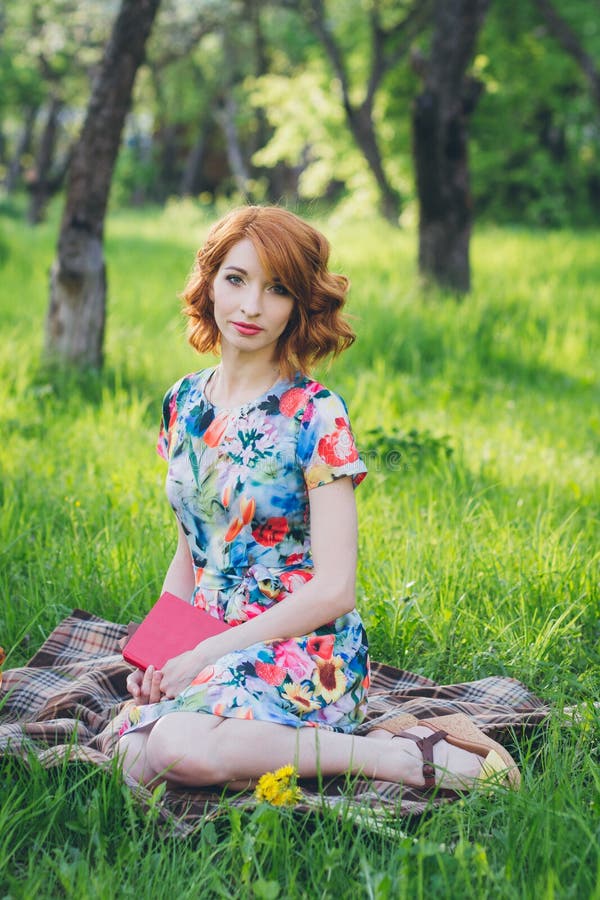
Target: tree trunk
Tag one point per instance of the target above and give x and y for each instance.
(440, 143)
(363, 130)
(76, 314)
(23, 147)
(40, 185)
(190, 178)
(226, 117)
(263, 131)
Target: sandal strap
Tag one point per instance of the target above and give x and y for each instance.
(426, 745)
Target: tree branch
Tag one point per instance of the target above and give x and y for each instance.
(384, 58)
(562, 32)
(172, 54)
(317, 20)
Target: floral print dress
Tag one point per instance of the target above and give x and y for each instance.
(238, 481)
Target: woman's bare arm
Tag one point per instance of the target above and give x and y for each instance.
(179, 579)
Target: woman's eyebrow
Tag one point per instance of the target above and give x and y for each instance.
(276, 279)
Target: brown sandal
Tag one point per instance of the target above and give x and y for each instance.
(497, 765)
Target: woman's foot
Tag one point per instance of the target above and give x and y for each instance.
(451, 753)
(446, 766)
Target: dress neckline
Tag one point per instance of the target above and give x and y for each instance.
(249, 404)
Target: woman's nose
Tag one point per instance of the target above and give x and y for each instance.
(250, 304)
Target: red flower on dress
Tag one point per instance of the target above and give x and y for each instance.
(273, 531)
(247, 507)
(270, 673)
(321, 645)
(172, 413)
(215, 431)
(291, 401)
(233, 530)
(338, 448)
(294, 558)
(294, 579)
(204, 675)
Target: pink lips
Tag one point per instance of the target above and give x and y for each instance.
(245, 328)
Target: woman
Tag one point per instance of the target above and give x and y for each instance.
(262, 465)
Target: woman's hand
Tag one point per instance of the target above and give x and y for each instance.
(180, 671)
(145, 687)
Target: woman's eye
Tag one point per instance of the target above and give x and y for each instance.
(280, 289)
(233, 279)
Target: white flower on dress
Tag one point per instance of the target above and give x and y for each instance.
(253, 442)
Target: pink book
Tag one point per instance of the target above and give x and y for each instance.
(171, 627)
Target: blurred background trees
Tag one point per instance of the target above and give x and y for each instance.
(308, 99)
(326, 102)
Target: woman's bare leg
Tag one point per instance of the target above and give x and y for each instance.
(196, 749)
(131, 749)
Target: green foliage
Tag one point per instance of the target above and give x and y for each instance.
(313, 134)
(303, 103)
(473, 563)
(403, 450)
(536, 133)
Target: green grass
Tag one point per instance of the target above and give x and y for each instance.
(481, 562)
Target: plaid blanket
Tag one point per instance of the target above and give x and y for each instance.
(62, 702)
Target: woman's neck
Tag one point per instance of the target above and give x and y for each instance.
(236, 382)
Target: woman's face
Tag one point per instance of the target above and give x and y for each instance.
(251, 310)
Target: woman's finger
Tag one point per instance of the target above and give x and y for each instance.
(155, 686)
(133, 683)
(147, 684)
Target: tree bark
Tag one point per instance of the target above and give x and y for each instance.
(190, 179)
(440, 144)
(363, 131)
(41, 184)
(76, 314)
(226, 117)
(251, 13)
(23, 147)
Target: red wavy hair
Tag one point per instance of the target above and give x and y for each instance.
(296, 254)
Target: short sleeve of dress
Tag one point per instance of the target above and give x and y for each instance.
(326, 446)
(168, 421)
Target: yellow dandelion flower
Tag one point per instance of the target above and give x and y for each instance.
(279, 788)
(134, 715)
(329, 681)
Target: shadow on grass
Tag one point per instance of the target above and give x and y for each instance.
(66, 386)
(422, 347)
